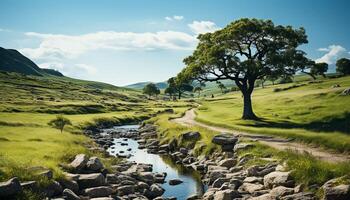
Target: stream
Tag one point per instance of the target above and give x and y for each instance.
(161, 163)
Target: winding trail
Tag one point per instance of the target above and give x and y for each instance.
(278, 143)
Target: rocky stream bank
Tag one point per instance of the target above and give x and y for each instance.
(222, 173)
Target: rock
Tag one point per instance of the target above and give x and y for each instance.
(103, 198)
(142, 186)
(281, 191)
(228, 163)
(53, 189)
(175, 182)
(209, 194)
(79, 162)
(112, 179)
(250, 187)
(91, 180)
(70, 195)
(29, 185)
(340, 192)
(101, 191)
(346, 92)
(263, 197)
(191, 136)
(299, 196)
(278, 179)
(227, 194)
(156, 190)
(183, 151)
(235, 183)
(69, 184)
(125, 190)
(253, 179)
(214, 175)
(193, 197)
(227, 141)
(146, 177)
(94, 164)
(219, 182)
(10, 187)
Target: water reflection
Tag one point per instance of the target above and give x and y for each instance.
(191, 179)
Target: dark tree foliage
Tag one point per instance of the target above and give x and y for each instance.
(60, 122)
(221, 86)
(244, 51)
(343, 66)
(319, 69)
(179, 85)
(151, 89)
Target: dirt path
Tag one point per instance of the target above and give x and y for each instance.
(278, 143)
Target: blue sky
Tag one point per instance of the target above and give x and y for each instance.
(123, 42)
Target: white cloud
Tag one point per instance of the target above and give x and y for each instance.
(334, 52)
(199, 27)
(5, 30)
(75, 69)
(58, 46)
(175, 17)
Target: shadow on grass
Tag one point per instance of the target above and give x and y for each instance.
(328, 124)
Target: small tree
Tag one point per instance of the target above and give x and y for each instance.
(151, 89)
(319, 69)
(60, 122)
(343, 66)
(221, 86)
(179, 85)
(170, 92)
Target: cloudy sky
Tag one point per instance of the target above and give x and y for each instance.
(123, 42)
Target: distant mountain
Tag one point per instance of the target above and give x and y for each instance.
(141, 85)
(13, 61)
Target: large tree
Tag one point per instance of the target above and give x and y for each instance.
(244, 51)
(343, 66)
(151, 89)
(319, 69)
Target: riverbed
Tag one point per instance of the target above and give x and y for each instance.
(161, 163)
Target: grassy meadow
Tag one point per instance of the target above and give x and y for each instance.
(309, 112)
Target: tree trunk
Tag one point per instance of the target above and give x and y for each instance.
(179, 95)
(248, 112)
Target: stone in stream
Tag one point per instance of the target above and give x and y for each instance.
(70, 195)
(101, 191)
(226, 141)
(90, 180)
(175, 181)
(155, 191)
(10, 188)
(79, 162)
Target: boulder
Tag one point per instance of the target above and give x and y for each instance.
(101, 191)
(225, 140)
(112, 179)
(54, 188)
(214, 175)
(79, 162)
(191, 136)
(219, 182)
(70, 195)
(228, 163)
(277, 178)
(10, 187)
(242, 146)
(30, 185)
(91, 180)
(253, 179)
(281, 191)
(299, 196)
(69, 184)
(125, 190)
(227, 194)
(94, 164)
(103, 198)
(263, 197)
(251, 187)
(156, 190)
(340, 192)
(175, 182)
(346, 92)
(146, 177)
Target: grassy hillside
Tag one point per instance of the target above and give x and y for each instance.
(141, 85)
(310, 112)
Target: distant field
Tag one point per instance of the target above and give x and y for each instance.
(313, 113)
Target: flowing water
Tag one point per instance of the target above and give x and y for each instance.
(161, 163)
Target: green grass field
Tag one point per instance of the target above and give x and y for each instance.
(313, 113)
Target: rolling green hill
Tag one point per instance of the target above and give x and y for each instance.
(141, 85)
(13, 61)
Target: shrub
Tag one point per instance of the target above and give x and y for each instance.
(60, 122)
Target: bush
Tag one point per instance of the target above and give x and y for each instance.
(60, 122)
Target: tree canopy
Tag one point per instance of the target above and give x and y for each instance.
(343, 66)
(179, 85)
(151, 89)
(319, 69)
(244, 51)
